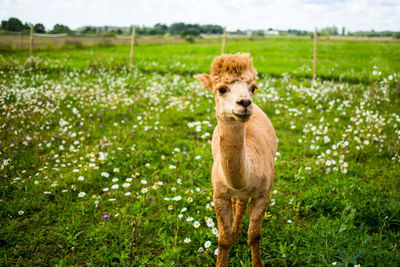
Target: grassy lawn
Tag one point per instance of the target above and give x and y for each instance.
(101, 166)
(340, 60)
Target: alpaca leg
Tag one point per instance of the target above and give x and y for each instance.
(223, 210)
(240, 207)
(257, 211)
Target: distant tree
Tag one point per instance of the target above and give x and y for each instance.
(238, 32)
(141, 30)
(211, 29)
(14, 25)
(158, 29)
(296, 32)
(88, 30)
(260, 33)
(397, 35)
(180, 28)
(177, 28)
(343, 30)
(330, 31)
(39, 28)
(3, 24)
(190, 32)
(373, 33)
(60, 28)
(334, 30)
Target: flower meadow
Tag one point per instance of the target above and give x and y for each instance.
(102, 166)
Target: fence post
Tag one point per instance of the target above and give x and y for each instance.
(22, 41)
(132, 47)
(223, 42)
(31, 47)
(315, 55)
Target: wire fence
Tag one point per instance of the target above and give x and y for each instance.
(36, 41)
(40, 40)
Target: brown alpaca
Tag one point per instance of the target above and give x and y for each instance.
(243, 147)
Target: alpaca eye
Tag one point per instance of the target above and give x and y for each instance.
(253, 89)
(222, 90)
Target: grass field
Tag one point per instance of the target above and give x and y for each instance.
(349, 61)
(101, 166)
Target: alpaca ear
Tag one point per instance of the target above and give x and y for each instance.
(204, 80)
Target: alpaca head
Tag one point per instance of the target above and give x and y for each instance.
(233, 81)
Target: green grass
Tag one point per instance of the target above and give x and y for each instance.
(81, 113)
(339, 60)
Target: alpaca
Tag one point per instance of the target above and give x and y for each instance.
(243, 147)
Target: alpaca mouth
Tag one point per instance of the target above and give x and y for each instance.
(243, 116)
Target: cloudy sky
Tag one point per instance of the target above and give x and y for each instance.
(234, 14)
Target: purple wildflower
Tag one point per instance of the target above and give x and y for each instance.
(106, 217)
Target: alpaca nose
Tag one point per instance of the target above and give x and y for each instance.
(244, 102)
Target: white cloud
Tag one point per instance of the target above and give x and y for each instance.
(25, 2)
(100, 4)
(66, 4)
(235, 14)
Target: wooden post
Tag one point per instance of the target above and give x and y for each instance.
(223, 42)
(31, 47)
(315, 55)
(132, 47)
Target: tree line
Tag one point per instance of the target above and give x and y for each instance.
(15, 25)
(334, 31)
(180, 28)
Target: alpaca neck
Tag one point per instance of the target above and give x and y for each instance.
(234, 158)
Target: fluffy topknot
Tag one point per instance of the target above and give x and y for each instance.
(228, 68)
(232, 67)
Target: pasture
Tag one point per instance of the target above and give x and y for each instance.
(101, 166)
